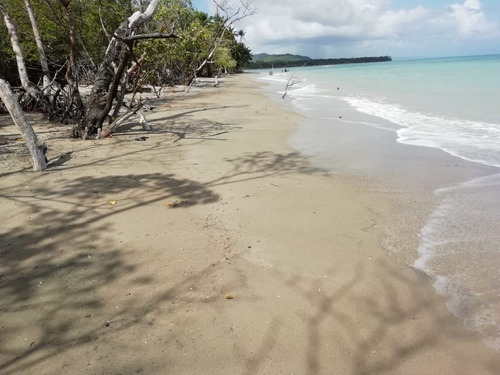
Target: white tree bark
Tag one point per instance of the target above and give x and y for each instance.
(16, 47)
(39, 44)
(138, 17)
(106, 84)
(110, 128)
(36, 150)
(143, 121)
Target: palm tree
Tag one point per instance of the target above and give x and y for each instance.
(241, 54)
(241, 34)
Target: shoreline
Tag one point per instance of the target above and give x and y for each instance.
(367, 148)
(141, 285)
(433, 190)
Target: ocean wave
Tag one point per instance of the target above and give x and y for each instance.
(470, 140)
(310, 90)
(458, 249)
(277, 77)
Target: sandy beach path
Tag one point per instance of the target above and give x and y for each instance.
(211, 247)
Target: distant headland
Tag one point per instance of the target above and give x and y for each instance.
(266, 61)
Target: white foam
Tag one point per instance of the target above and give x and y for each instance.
(476, 316)
(459, 250)
(305, 91)
(276, 77)
(470, 140)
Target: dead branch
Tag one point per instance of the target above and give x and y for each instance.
(133, 38)
(132, 111)
(289, 84)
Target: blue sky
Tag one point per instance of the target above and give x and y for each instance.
(345, 28)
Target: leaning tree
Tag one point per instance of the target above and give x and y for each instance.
(118, 63)
(112, 72)
(112, 68)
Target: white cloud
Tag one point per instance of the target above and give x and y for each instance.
(470, 21)
(401, 22)
(323, 26)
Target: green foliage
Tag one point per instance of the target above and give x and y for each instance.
(175, 60)
(167, 60)
(93, 37)
(241, 54)
(283, 61)
(264, 57)
(53, 24)
(224, 59)
(7, 61)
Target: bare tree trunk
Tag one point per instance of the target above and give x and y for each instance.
(36, 150)
(16, 47)
(71, 77)
(39, 44)
(107, 80)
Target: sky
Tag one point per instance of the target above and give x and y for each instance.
(353, 28)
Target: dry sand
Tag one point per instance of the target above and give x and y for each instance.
(119, 258)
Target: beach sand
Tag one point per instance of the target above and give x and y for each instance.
(212, 247)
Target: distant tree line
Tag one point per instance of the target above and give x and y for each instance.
(277, 62)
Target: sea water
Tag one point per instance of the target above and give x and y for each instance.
(451, 104)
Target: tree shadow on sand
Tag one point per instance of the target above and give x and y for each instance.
(350, 332)
(54, 279)
(57, 265)
(52, 271)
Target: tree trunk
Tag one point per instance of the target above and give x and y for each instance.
(107, 80)
(39, 44)
(75, 103)
(36, 150)
(16, 47)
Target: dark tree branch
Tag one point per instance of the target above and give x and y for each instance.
(133, 38)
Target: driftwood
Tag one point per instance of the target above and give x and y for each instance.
(289, 84)
(119, 121)
(36, 150)
(143, 121)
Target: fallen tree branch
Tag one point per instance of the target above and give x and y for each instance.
(120, 120)
(289, 84)
(133, 38)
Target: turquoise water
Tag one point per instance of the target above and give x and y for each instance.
(450, 104)
(460, 88)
